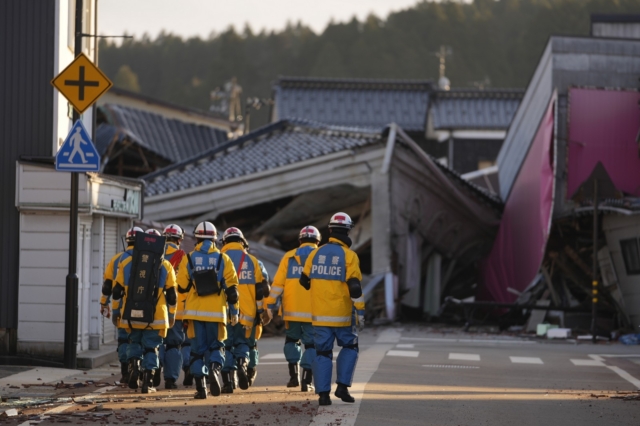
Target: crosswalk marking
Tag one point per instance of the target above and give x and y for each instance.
(409, 354)
(525, 360)
(272, 356)
(464, 357)
(405, 345)
(588, 363)
(451, 366)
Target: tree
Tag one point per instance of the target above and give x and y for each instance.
(126, 79)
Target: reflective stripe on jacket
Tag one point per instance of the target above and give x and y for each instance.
(249, 274)
(329, 268)
(211, 308)
(296, 301)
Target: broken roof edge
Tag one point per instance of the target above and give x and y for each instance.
(352, 83)
(262, 131)
(120, 134)
(474, 190)
(155, 101)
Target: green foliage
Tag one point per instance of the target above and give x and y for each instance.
(496, 39)
(126, 79)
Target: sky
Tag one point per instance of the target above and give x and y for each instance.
(189, 18)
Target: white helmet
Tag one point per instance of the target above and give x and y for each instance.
(341, 220)
(310, 232)
(131, 234)
(153, 232)
(205, 231)
(173, 231)
(234, 232)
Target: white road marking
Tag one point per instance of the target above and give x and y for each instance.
(451, 366)
(408, 354)
(588, 363)
(472, 341)
(525, 360)
(272, 356)
(405, 346)
(464, 357)
(368, 363)
(628, 377)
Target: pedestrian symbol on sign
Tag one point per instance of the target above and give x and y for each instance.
(78, 154)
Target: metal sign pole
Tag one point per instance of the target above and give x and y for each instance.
(71, 291)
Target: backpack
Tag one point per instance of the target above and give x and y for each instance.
(142, 297)
(206, 281)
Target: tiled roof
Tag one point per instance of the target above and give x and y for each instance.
(276, 145)
(474, 109)
(354, 102)
(172, 139)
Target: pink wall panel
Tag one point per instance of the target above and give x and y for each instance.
(603, 126)
(519, 246)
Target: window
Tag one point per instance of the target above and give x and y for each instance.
(631, 255)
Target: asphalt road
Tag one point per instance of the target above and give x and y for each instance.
(405, 376)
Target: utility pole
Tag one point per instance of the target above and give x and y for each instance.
(71, 289)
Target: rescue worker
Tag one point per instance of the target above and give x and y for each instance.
(254, 354)
(250, 288)
(171, 351)
(110, 273)
(145, 337)
(296, 308)
(332, 274)
(207, 313)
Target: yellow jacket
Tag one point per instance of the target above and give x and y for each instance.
(329, 267)
(249, 275)
(166, 281)
(171, 250)
(296, 301)
(211, 308)
(110, 273)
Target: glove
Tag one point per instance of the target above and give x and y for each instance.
(360, 320)
(172, 320)
(185, 324)
(233, 319)
(105, 311)
(115, 319)
(266, 316)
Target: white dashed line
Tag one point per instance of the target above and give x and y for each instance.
(451, 366)
(272, 356)
(464, 357)
(525, 360)
(587, 363)
(408, 354)
(405, 346)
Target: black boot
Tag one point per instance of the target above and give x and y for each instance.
(243, 380)
(227, 387)
(294, 381)
(124, 371)
(214, 379)
(342, 392)
(251, 375)
(156, 377)
(147, 382)
(134, 373)
(307, 380)
(170, 384)
(188, 377)
(325, 399)
(201, 388)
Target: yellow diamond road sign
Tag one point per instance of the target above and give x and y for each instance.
(82, 83)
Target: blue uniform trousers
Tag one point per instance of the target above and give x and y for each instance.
(254, 354)
(123, 343)
(170, 351)
(206, 341)
(143, 344)
(237, 346)
(186, 352)
(346, 363)
(302, 331)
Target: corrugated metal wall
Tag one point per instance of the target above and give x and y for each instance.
(27, 29)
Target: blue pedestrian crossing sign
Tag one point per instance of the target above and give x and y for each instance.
(78, 154)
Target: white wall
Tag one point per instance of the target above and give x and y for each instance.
(621, 228)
